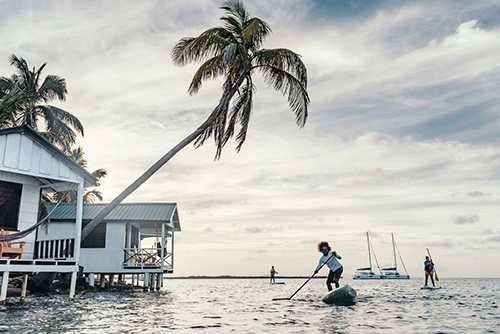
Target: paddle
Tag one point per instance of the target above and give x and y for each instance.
(305, 281)
(435, 272)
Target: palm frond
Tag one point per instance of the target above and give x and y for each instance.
(240, 113)
(285, 60)
(195, 49)
(100, 173)
(63, 117)
(210, 69)
(255, 32)
(53, 87)
(298, 99)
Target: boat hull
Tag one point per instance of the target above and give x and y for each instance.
(341, 296)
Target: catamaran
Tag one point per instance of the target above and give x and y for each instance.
(385, 273)
(367, 273)
(392, 272)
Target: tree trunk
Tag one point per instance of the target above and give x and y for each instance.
(223, 105)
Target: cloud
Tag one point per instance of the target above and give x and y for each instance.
(465, 219)
(486, 232)
(496, 238)
(445, 243)
(477, 193)
(259, 230)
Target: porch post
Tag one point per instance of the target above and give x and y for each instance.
(78, 236)
(78, 225)
(172, 260)
(162, 246)
(3, 292)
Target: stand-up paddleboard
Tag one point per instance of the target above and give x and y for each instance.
(341, 296)
(430, 287)
(277, 283)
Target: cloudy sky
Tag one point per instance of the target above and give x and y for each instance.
(402, 137)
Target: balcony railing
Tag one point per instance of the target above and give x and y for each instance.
(54, 249)
(140, 258)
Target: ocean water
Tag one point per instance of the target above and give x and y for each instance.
(246, 306)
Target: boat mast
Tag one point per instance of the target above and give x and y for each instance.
(394, 251)
(369, 254)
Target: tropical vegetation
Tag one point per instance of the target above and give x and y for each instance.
(234, 52)
(23, 100)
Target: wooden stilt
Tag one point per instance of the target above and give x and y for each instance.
(72, 288)
(3, 291)
(102, 283)
(145, 287)
(158, 281)
(133, 280)
(24, 286)
(111, 280)
(91, 279)
(152, 283)
(161, 280)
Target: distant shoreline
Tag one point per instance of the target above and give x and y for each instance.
(240, 277)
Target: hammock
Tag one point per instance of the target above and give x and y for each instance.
(22, 234)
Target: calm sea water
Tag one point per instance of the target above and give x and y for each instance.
(245, 306)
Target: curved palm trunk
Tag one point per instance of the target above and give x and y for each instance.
(223, 105)
(143, 178)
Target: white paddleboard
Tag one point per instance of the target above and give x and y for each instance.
(341, 296)
(430, 287)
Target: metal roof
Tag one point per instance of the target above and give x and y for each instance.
(129, 212)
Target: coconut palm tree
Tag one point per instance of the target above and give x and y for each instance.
(233, 52)
(91, 196)
(26, 85)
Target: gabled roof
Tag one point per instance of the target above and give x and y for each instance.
(143, 213)
(23, 150)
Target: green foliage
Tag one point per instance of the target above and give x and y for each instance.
(23, 99)
(234, 52)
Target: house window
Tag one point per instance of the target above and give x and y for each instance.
(10, 201)
(96, 238)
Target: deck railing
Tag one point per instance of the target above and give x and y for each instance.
(147, 258)
(54, 249)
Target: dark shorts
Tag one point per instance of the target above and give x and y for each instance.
(334, 274)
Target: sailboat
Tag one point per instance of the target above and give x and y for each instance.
(385, 273)
(367, 273)
(392, 272)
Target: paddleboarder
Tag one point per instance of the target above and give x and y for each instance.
(428, 269)
(331, 260)
(273, 272)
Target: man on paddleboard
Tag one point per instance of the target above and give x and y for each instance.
(330, 259)
(273, 272)
(429, 269)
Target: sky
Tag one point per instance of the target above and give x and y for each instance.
(402, 135)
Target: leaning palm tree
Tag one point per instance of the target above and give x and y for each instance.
(233, 52)
(60, 127)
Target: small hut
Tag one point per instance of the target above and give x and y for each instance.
(135, 239)
(29, 167)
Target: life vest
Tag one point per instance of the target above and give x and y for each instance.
(428, 265)
(273, 271)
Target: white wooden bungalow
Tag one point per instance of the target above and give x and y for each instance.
(135, 238)
(30, 166)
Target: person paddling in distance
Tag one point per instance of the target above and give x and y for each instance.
(273, 272)
(331, 260)
(429, 269)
